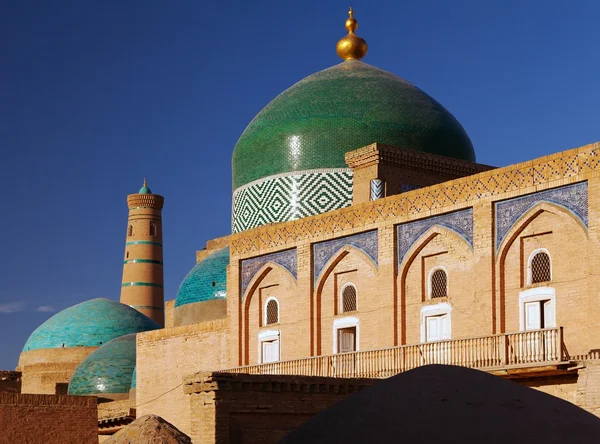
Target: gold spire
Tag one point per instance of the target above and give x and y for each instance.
(144, 181)
(351, 46)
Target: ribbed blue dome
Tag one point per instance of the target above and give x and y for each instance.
(206, 281)
(107, 370)
(89, 324)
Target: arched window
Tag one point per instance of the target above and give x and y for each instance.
(438, 284)
(130, 231)
(348, 299)
(540, 268)
(152, 229)
(271, 312)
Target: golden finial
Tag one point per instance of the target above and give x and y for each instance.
(351, 46)
(144, 181)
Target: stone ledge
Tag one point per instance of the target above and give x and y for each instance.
(203, 382)
(7, 399)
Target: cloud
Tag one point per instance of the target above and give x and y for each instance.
(11, 307)
(46, 309)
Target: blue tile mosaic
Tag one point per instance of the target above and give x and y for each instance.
(572, 197)
(377, 189)
(408, 187)
(324, 251)
(107, 370)
(288, 259)
(206, 281)
(461, 222)
(89, 324)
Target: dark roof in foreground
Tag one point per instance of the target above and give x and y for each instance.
(440, 403)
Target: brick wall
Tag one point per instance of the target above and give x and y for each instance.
(10, 382)
(259, 408)
(165, 356)
(48, 419)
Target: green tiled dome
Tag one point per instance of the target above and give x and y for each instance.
(206, 281)
(89, 324)
(145, 190)
(315, 122)
(134, 378)
(107, 370)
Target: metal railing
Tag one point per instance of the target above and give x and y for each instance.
(535, 347)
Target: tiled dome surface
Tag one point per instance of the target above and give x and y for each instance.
(107, 370)
(315, 122)
(134, 378)
(88, 324)
(206, 281)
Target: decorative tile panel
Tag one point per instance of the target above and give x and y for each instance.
(324, 251)
(290, 196)
(572, 197)
(287, 259)
(377, 189)
(461, 222)
(572, 165)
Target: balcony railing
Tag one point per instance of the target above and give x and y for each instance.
(523, 349)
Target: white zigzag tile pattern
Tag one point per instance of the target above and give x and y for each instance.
(290, 196)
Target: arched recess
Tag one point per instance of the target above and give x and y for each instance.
(249, 296)
(322, 279)
(513, 234)
(404, 267)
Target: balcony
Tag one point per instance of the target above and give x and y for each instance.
(517, 352)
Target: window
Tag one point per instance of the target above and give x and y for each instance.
(346, 335)
(271, 312)
(152, 229)
(348, 299)
(438, 284)
(539, 267)
(130, 231)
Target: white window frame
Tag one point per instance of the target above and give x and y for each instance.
(271, 298)
(531, 256)
(345, 322)
(265, 336)
(537, 294)
(443, 308)
(429, 286)
(341, 298)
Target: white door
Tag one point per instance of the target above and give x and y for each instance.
(270, 351)
(437, 328)
(533, 315)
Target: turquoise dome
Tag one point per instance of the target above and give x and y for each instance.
(145, 190)
(134, 378)
(89, 324)
(315, 122)
(107, 370)
(206, 281)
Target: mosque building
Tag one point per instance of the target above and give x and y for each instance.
(366, 241)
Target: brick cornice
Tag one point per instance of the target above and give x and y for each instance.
(204, 382)
(155, 201)
(378, 153)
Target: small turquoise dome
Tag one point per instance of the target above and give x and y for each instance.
(107, 370)
(145, 190)
(89, 324)
(206, 281)
(134, 378)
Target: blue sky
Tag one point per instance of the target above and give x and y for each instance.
(95, 95)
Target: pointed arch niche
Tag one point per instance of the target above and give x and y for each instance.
(558, 230)
(349, 265)
(439, 242)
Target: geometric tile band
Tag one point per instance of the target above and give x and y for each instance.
(377, 189)
(461, 222)
(288, 259)
(572, 197)
(323, 251)
(290, 196)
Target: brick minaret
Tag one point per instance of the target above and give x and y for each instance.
(142, 285)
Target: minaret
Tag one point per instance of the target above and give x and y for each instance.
(142, 286)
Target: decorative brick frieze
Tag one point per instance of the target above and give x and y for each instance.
(287, 259)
